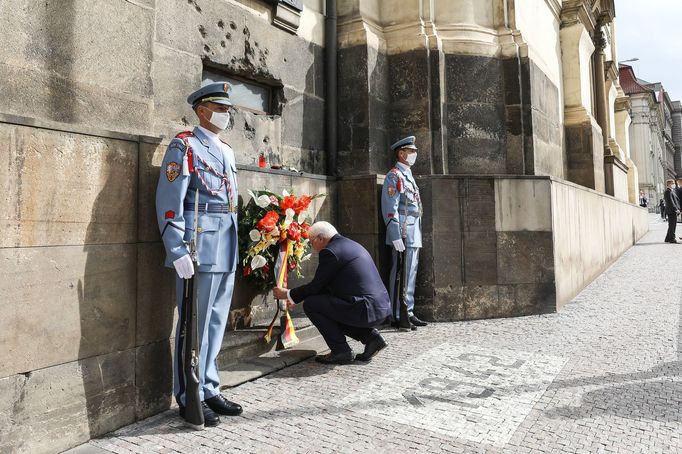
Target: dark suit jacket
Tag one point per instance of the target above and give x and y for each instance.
(678, 193)
(347, 271)
(672, 203)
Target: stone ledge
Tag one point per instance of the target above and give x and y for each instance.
(248, 343)
(250, 369)
(76, 129)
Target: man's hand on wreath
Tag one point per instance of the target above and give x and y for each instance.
(280, 293)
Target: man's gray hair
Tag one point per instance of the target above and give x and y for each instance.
(322, 228)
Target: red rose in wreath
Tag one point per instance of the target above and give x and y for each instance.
(287, 202)
(268, 222)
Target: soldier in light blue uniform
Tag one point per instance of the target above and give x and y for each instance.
(401, 208)
(199, 160)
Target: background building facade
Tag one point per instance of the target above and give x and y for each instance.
(524, 167)
(654, 133)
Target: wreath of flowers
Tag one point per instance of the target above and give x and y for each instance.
(267, 221)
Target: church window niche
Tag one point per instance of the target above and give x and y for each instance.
(246, 94)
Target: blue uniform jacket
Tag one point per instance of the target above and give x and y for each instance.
(214, 172)
(401, 207)
(347, 271)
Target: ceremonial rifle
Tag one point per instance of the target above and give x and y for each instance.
(194, 414)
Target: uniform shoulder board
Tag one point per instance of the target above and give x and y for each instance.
(398, 173)
(184, 134)
(188, 159)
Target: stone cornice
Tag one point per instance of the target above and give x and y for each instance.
(623, 103)
(611, 70)
(615, 160)
(605, 10)
(578, 12)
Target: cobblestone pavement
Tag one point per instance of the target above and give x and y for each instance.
(602, 375)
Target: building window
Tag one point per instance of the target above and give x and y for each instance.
(246, 94)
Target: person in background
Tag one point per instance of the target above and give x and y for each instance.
(672, 209)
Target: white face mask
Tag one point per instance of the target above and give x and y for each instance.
(411, 159)
(220, 119)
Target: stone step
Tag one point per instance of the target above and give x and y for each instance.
(245, 355)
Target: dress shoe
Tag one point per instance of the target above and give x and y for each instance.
(336, 358)
(211, 419)
(416, 322)
(372, 347)
(396, 324)
(223, 406)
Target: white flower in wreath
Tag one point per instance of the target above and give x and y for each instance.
(302, 216)
(285, 193)
(306, 257)
(263, 201)
(257, 262)
(290, 213)
(255, 235)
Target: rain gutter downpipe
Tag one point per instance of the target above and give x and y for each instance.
(330, 53)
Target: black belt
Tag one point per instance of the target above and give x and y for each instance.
(211, 207)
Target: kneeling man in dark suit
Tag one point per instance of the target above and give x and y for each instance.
(345, 298)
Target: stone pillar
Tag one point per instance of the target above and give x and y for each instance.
(601, 103)
(584, 140)
(622, 130)
(677, 136)
(363, 90)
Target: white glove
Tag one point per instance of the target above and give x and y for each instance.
(184, 267)
(399, 245)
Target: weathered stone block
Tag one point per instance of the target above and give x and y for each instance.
(481, 301)
(59, 41)
(64, 188)
(151, 157)
(65, 303)
(447, 259)
(153, 378)
(359, 205)
(480, 258)
(528, 299)
(476, 138)
(446, 304)
(443, 197)
(409, 75)
(175, 74)
(525, 257)
(473, 79)
(516, 81)
(156, 304)
(522, 204)
(233, 39)
(53, 409)
(303, 121)
(479, 198)
(584, 155)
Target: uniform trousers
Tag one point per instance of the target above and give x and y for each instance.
(214, 296)
(672, 226)
(411, 258)
(336, 318)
